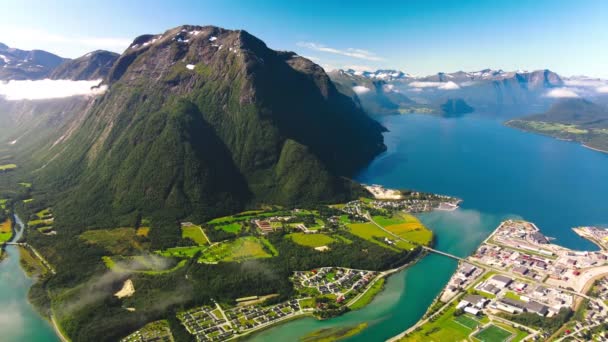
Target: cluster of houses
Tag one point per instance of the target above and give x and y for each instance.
(463, 277)
(206, 323)
(344, 280)
(244, 318)
(150, 335)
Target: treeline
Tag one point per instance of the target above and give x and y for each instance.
(105, 319)
(545, 323)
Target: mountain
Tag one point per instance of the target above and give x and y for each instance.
(381, 74)
(371, 90)
(574, 119)
(18, 64)
(203, 121)
(92, 66)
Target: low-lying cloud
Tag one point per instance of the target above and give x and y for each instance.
(439, 85)
(359, 90)
(562, 93)
(49, 89)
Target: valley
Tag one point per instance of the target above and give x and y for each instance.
(198, 183)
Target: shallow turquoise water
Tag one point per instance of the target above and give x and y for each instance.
(18, 319)
(499, 172)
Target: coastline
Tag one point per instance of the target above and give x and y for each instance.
(588, 279)
(384, 274)
(507, 123)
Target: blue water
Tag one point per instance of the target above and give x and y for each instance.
(500, 173)
(497, 170)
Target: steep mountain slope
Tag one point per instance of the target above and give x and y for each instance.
(18, 64)
(92, 66)
(572, 119)
(201, 121)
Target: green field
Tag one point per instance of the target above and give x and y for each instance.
(7, 167)
(118, 241)
(246, 215)
(241, 249)
(367, 297)
(493, 333)
(182, 252)
(467, 321)
(369, 231)
(234, 227)
(311, 240)
(555, 127)
(407, 227)
(444, 328)
(195, 233)
(3, 203)
(6, 231)
(26, 185)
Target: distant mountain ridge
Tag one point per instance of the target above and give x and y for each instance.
(16, 64)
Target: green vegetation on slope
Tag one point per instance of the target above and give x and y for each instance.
(573, 119)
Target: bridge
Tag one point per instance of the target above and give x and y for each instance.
(429, 249)
(432, 250)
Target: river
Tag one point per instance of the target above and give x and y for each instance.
(500, 173)
(18, 320)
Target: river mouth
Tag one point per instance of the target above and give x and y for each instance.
(19, 321)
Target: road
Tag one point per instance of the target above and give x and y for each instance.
(432, 250)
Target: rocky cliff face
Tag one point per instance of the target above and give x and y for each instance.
(203, 119)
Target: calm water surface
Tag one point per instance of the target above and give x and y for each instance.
(500, 173)
(18, 319)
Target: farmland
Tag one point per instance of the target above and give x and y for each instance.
(6, 231)
(370, 232)
(195, 233)
(241, 249)
(118, 241)
(311, 240)
(7, 167)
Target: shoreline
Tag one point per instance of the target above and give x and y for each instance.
(384, 274)
(594, 274)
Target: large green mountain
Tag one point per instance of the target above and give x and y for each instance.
(202, 121)
(571, 119)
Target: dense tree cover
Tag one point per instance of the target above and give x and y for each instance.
(104, 318)
(546, 323)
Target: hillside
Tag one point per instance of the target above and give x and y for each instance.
(203, 121)
(572, 119)
(92, 66)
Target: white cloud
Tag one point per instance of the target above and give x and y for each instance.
(439, 85)
(449, 86)
(561, 93)
(48, 89)
(602, 90)
(361, 90)
(350, 52)
(585, 82)
(66, 45)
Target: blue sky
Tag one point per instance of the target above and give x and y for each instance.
(419, 37)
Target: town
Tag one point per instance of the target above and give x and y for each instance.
(517, 272)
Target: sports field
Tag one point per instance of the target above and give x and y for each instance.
(493, 333)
